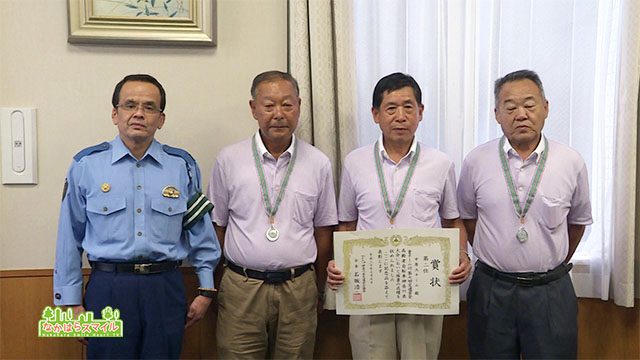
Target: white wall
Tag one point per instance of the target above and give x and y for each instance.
(71, 87)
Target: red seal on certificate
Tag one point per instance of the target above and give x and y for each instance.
(357, 297)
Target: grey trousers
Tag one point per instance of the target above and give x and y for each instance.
(507, 321)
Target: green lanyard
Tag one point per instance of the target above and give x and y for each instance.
(272, 210)
(391, 213)
(522, 234)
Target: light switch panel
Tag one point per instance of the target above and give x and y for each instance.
(19, 145)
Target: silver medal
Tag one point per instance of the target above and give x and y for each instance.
(272, 233)
(522, 235)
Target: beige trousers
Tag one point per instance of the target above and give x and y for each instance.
(384, 336)
(259, 321)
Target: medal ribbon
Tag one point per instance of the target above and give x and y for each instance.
(271, 210)
(391, 213)
(533, 188)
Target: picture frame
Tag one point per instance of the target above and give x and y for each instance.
(143, 22)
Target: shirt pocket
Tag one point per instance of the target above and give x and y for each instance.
(426, 202)
(554, 211)
(166, 219)
(305, 206)
(107, 215)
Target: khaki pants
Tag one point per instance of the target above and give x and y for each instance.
(259, 321)
(383, 336)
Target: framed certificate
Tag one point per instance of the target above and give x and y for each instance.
(397, 271)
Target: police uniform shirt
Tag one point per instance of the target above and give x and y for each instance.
(120, 209)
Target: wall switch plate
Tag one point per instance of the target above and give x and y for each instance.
(19, 145)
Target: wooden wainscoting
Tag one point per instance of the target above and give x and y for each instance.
(606, 331)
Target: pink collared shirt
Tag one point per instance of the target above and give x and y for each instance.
(308, 202)
(562, 198)
(431, 194)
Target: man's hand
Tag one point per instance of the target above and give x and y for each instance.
(77, 310)
(335, 277)
(462, 272)
(197, 309)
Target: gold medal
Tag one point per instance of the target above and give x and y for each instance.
(170, 192)
(105, 187)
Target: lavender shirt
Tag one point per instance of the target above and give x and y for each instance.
(308, 202)
(562, 198)
(431, 192)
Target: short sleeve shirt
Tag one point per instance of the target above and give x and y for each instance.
(562, 198)
(429, 197)
(308, 202)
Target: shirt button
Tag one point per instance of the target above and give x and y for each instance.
(105, 209)
(139, 210)
(139, 233)
(520, 188)
(139, 187)
(170, 209)
(522, 169)
(138, 165)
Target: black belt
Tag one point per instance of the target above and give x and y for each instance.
(526, 278)
(269, 277)
(144, 268)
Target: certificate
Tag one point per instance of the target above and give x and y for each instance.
(401, 271)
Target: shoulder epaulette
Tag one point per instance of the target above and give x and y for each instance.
(181, 153)
(92, 149)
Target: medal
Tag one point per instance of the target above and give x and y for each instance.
(522, 234)
(272, 233)
(391, 213)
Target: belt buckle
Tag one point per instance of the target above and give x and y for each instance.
(524, 281)
(275, 277)
(142, 268)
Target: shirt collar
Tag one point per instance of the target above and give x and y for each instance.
(383, 152)
(538, 151)
(120, 150)
(262, 149)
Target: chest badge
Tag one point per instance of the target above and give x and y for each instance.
(170, 192)
(105, 187)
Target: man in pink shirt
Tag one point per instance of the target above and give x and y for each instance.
(525, 203)
(420, 184)
(274, 215)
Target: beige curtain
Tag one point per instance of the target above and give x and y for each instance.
(624, 189)
(321, 58)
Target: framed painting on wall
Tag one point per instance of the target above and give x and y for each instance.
(143, 22)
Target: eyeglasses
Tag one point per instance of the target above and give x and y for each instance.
(133, 107)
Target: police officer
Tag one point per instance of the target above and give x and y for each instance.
(136, 208)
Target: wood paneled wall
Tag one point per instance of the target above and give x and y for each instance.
(606, 331)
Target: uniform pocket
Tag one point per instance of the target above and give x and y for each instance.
(305, 206)
(554, 211)
(425, 204)
(166, 218)
(107, 214)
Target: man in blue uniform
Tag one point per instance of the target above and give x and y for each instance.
(136, 208)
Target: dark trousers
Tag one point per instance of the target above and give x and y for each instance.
(152, 308)
(506, 320)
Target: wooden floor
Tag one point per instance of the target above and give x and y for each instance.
(606, 331)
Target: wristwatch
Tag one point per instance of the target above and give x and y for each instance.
(210, 293)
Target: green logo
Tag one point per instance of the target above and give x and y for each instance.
(58, 323)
